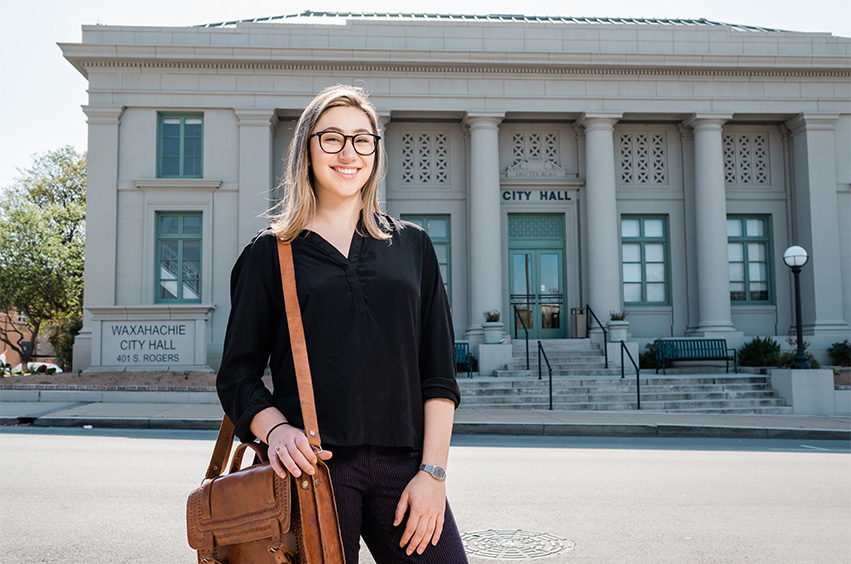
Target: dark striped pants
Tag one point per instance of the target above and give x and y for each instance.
(368, 482)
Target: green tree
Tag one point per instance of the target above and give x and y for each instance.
(42, 240)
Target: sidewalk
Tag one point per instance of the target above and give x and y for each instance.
(201, 410)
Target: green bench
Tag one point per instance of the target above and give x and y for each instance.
(463, 356)
(668, 350)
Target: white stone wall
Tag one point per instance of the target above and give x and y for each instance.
(480, 84)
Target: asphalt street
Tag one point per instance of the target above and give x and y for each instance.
(99, 496)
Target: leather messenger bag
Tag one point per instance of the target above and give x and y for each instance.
(252, 515)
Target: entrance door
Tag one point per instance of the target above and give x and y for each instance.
(536, 274)
(537, 289)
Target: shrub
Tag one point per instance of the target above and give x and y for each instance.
(491, 316)
(759, 352)
(840, 353)
(787, 358)
(62, 339)
(618, 315)
(461, 367)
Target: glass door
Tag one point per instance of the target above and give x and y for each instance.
(537, 289)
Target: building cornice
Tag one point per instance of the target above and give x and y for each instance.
(257, 117)
(810, 121)
(152, 312)
(103, 115)
(86, 57)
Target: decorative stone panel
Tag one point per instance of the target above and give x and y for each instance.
(534, 146)
(643, 158)
(425, 158)
(746, 159)
(535, 226)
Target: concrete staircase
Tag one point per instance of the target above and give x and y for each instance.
(580, 382)
(568, 357)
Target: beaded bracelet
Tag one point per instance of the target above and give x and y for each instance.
(272, 429)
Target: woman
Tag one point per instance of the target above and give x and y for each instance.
(379, 338)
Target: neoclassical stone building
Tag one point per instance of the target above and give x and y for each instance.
(654, 165)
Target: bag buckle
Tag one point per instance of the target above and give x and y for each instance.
(282, 554)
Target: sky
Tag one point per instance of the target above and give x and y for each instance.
(41, 93)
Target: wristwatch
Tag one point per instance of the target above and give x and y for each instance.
(436, 472)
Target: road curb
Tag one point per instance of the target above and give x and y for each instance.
(648, 430)
(128, 423)
(473, 428)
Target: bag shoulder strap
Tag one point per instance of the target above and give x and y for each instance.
(224, 442)
(221, 452)
(298, 345)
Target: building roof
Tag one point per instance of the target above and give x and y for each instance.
(310, 17)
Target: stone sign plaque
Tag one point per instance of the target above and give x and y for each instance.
(148, 343)
(536, 169)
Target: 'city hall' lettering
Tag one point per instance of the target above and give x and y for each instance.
(561, 196)
(543, 195)
(136, 345)
(510, 195)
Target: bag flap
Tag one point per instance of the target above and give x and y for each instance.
(251, 504)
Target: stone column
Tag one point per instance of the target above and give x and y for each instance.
(689, 281)
(383, 121)
(101, 233)
(601, 215)
(816, 223)
(710, 203)
(485, 219)
(256, 169)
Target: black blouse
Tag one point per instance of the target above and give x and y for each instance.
(378, 329)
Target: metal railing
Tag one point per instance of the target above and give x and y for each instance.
(637, 374)
(549, 367)
(523, 323)
(605, 333)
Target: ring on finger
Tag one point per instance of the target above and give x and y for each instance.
(278, 448)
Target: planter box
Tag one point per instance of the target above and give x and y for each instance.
(493, 331)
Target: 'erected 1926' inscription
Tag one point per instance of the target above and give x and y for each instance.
(128, 343)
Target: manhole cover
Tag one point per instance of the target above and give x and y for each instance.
(513, 544)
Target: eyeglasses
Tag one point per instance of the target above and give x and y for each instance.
(333, 142)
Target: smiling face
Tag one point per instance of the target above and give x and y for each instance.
(340, 176)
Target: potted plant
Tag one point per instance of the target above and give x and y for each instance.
(617, 326)
(492, 326)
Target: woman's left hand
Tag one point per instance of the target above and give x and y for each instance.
(424, 499)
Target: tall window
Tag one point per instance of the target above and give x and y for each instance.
(178, 268)
(180, 146)
(749, 252)
(644, 245)
(437, 227)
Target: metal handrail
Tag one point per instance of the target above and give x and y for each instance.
(541, 351)
(637, 372)
(523, 323)
(605, 333)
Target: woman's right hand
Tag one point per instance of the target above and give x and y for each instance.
(290, 451)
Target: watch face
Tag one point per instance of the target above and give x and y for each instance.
(436, 471)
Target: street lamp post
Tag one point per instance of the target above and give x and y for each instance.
(796, 257)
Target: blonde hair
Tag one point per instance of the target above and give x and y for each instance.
(298, 200)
